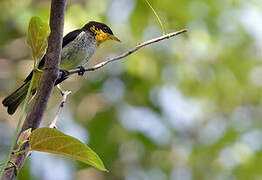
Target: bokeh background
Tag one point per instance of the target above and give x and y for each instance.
(182, 109)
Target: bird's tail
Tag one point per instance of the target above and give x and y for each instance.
(13, 100)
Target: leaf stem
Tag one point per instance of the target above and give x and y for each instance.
(158, 18)
(23, 151)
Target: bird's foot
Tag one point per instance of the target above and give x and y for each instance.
(64, 74)
(81, 71)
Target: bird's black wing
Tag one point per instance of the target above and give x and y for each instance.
(66, 40)
(71, 36)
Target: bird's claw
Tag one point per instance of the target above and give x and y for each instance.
(64, 74)
(81, 71)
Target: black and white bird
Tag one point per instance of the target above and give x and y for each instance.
(77, 48)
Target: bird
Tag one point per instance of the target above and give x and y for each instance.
(77, 48)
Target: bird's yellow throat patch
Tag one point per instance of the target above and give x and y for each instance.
(100, 35)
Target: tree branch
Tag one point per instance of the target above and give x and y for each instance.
(99, 65)
(59, 111)
(143, 44)
(47, 82)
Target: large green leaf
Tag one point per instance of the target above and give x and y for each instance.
(38, 31)
(53, 141)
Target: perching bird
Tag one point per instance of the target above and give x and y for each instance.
(77, 48)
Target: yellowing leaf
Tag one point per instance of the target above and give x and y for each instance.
(53, 141)
(38, 31)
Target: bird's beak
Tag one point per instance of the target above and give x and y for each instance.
(113, 37)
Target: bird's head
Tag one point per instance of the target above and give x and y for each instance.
(101, 32)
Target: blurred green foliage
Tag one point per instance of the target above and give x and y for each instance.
(185, 108)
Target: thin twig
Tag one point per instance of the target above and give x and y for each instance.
(146, 43)
(64, 94)
(97, 66)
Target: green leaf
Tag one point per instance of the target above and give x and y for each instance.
(38, 31)
(53, 141)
